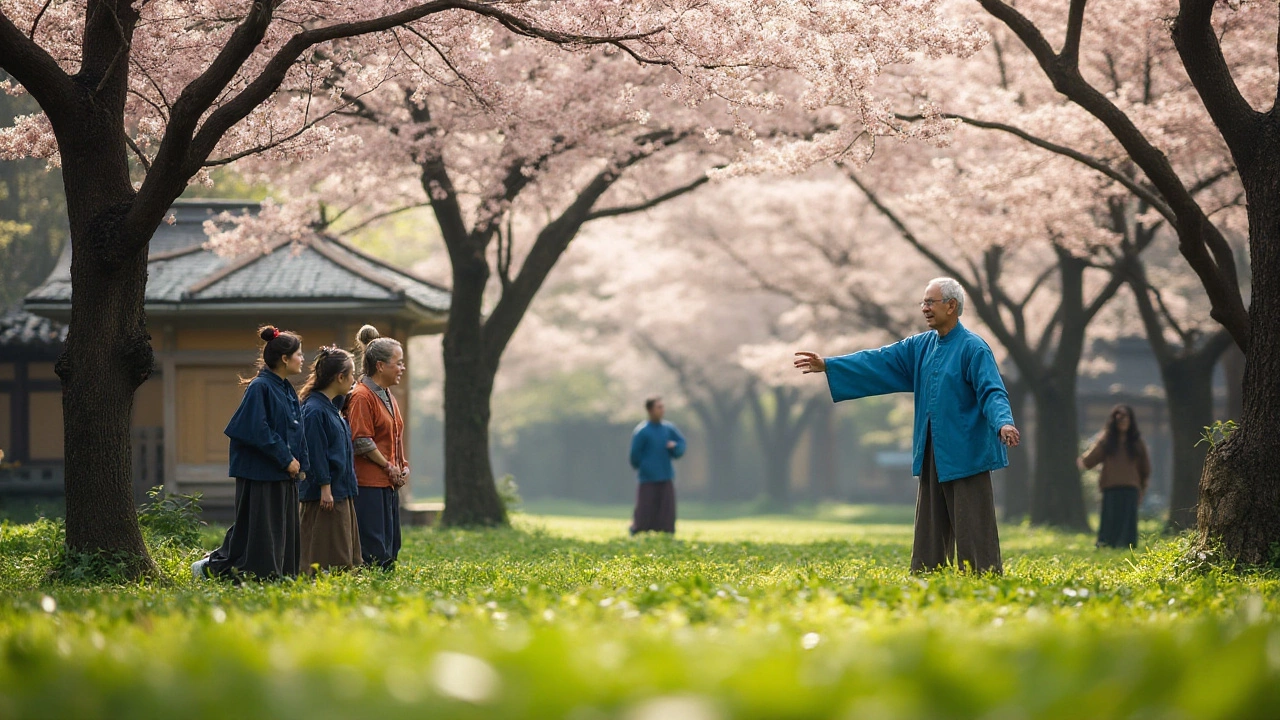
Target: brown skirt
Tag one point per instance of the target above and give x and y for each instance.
(330, 538)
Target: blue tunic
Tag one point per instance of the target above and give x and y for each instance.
(649, 453)
(266, 430)
(332, 460)
(959, 396)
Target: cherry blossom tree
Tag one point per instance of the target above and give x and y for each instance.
(1226, 53)
(140, 98)
(517, 150)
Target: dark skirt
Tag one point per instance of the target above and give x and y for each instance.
(262, 544)
(330, 538)
(655, 508)
(1118, 527)
(378, 516)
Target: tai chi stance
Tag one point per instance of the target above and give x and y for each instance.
(268, 457)
(377, 431)
(654, 444)
(329, 536)
(1123, 478)
(962, 425)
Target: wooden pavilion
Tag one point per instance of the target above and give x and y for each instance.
(203, 310)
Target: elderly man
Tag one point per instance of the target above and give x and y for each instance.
(962, 426)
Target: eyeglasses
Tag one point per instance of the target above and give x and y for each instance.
(930, 302)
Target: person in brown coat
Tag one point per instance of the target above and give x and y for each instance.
(1126, 467)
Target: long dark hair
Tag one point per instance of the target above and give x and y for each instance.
(330, 362)
(1111, 440)
(277, 345)
(372, 349)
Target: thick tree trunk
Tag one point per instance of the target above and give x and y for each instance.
(822, 451)
(107, 356)
(1017, 477)
(1240, 489)
(1056, 496)
(721, 428)
(1188, 383)
(471, 497)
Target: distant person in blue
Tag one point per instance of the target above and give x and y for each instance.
(330, 537)
(654, 444)
(268, 458)
(962, 426)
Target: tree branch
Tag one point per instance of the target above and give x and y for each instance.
(1070, 54)
(38, 72)
(648, 204)
(1201, 53)
(1134, 188)
(1200, 242)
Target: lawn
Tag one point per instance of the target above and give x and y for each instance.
(564, 616)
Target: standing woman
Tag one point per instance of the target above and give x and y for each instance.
(377, 432)
(330, 538)
(1126, 467)
(268, 457)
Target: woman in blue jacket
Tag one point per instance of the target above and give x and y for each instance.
(268, 457)
(330, 536)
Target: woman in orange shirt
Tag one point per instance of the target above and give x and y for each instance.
(377, 436)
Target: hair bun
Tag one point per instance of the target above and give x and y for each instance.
(268, 333)
(367, 334)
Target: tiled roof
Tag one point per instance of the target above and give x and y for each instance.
(20, 328)
(317, 268)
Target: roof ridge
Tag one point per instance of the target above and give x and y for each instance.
(376, 260)
(235, 267)
(179, 252)
(351, 267)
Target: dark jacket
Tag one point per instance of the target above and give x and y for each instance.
(328, 448)
(266, 431)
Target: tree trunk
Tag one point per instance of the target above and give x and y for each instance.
(721, 423)
(1056, 496)
(107, 356)
(822, 451)
(1188, 385)
(470, 496)
(1017, 477)
(1240, 489)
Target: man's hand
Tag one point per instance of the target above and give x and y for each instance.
(671, 444)
(326, 497)
(294, 468)
(1010, 436)
(807, 362)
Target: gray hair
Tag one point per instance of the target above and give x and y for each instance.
(372, 348)
(951, 289)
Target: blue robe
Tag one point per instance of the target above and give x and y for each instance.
(960, 398)
(649, 453)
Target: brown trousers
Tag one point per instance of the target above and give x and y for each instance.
(955, 522)
(330, 538)
(655, 508)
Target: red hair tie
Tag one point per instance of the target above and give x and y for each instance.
(274, 333)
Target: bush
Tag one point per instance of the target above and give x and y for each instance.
(172, 518)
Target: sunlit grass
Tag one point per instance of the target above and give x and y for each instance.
(562, 616)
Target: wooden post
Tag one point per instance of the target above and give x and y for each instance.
(169, 377)
(20, 414)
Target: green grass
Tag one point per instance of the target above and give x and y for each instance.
(566, 617)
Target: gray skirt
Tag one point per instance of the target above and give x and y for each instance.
(262, 544)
